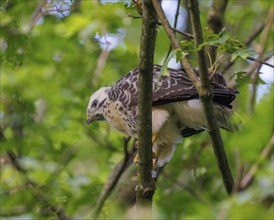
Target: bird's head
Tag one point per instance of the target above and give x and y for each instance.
(95, 105)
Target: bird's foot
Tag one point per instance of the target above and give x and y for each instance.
(154, 160)
(136, 159)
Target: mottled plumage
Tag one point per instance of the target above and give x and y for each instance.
(177, 111)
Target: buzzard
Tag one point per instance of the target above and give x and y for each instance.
(177, 111)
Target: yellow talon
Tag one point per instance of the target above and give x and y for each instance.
(136, 159)
(154, 135)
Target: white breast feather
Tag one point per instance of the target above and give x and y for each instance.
(190, 113)
(159, 117)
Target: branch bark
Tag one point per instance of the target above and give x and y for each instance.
(169, 31)
(216, 22)
(174, 28)
(145, 188)
(203, 87)
(114, 177)
(206, 98)
(249, 176)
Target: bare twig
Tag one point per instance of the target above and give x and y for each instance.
(38, 13)
(249, 176)
(15, 162)
(257, 64)
(60, 212)
(185, 34)
(170, 33)
(41, 10)
(254, 34)
(251, 37)
(133, 16)
(75, 5)
(114, 177)
(174, 27)
(35, 188)
(260, 61)
(104, 142)
(194, 160)
(194, 194)
(100, 65)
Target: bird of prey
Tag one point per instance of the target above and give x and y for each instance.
(177, 111)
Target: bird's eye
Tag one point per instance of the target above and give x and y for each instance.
(95, 103)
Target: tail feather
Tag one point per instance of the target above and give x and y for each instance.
(227, 119)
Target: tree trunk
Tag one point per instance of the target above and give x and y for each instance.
(145, 188)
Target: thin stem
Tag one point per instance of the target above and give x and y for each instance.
(114, 177)
(174, 26)
(249, 176)
(175, 43)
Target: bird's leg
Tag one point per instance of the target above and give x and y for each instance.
(154, 154)
(136, 159)
(154, 135)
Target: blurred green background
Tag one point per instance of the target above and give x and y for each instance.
(54, 54)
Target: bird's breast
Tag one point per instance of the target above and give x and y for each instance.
(121, 118)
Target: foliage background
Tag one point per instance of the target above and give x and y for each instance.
(53, 57)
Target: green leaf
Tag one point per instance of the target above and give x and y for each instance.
(242, 53)
(216, 41)
(259, 79)
(180, 54)
(164, 66)
(242, 78)
(230, 45)
(188, 45)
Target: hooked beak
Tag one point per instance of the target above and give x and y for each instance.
(89, 119)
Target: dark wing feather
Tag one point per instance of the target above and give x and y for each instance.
(168, 88)
(125, 90)
(187, 132)
(173, 88)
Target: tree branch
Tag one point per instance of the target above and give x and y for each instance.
(185, 34)
(38, 13)
(216, 22)
(174, 28)
(251, 37)
(145, 188)
(256, 65)
(34, 187)
(249, 176)
(114, 177)
(204, 89)
(206, 98)
(262, 62)
(176, 45)
(60, 212)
